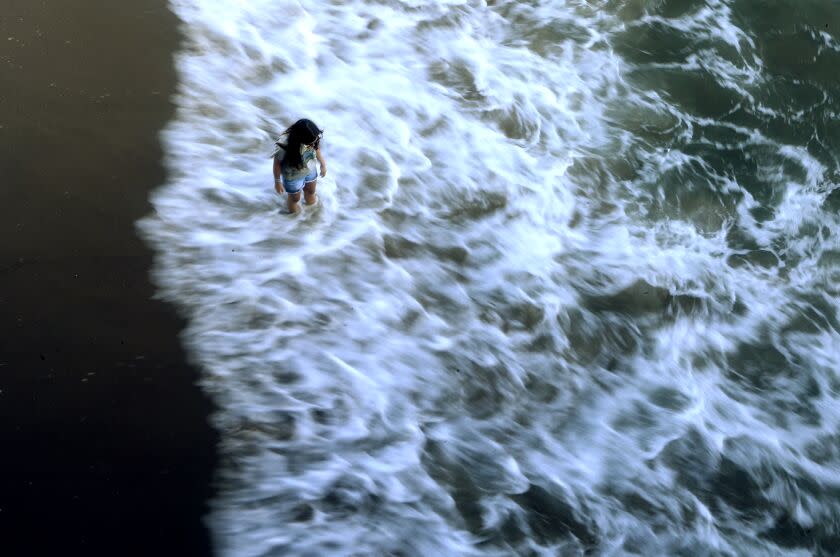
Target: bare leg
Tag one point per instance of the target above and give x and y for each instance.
(309, 196)
(292, 199)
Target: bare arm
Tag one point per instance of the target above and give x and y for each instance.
(278, 181)
(321, 160)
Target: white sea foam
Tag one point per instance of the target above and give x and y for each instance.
(486, 321)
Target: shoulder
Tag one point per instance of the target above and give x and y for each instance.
(279, 151)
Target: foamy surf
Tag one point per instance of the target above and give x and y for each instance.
(552, 302)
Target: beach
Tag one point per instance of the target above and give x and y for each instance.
(107, 449)
(570, 288)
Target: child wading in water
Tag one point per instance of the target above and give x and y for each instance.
(294, 163)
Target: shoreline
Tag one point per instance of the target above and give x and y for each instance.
(108, 447)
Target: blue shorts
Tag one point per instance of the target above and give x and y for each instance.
(294, 186)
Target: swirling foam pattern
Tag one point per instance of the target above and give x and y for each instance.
(571, 287)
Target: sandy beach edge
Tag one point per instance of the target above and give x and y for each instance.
(107, 448)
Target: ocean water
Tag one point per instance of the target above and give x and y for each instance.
(571, 288)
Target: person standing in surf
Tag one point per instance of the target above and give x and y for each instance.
(294, 163)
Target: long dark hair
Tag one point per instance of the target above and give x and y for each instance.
(302, 132)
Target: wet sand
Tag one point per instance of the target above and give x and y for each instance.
(106, 447)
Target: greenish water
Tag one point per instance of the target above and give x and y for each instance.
(572, 288)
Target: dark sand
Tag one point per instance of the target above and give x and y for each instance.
(106, 448)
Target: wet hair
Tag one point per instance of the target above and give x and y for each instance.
(302, 132)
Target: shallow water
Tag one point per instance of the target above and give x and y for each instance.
(571, 287)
